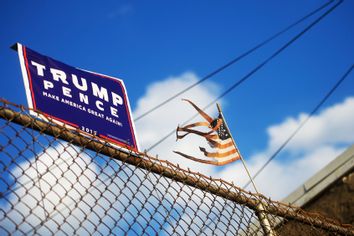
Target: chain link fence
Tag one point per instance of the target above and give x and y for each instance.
(59, 181)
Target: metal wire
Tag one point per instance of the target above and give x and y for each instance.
(234, 60)
(258, 67)
(88, 187)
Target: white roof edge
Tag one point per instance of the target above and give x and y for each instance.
(322, 179)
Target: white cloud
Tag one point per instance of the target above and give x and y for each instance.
(332, 126)
(67, 199)
(321, 140)
(157, 124)
(312, 149)
(57, 189)
(65, 191)
(279, 178)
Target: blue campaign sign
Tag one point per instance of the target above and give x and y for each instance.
(92, 102)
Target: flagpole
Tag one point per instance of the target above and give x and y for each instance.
(264, 219)
(233, 140)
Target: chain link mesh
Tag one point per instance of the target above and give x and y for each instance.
(59, 181)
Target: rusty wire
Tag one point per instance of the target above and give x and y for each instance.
(54, 180)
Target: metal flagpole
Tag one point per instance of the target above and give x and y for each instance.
(263, 217)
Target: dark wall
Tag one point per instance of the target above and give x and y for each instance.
(336, 202)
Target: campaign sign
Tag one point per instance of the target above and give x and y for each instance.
(92, 102)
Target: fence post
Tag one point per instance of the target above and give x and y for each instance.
(264, 221)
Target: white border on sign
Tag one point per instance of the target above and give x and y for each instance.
(32, 111)
(25, 79)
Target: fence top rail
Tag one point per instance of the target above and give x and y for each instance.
(19, 114)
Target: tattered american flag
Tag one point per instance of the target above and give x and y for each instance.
(218, 138)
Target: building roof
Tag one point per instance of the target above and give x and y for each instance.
(322, 179)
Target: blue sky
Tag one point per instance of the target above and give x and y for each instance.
(160, 47)
(145, 42)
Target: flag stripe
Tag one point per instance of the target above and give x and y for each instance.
(221, 144)
(206, 135)
(201, 112)
(197, 124)
(213, 161)
(218, 154)
(218, 137)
